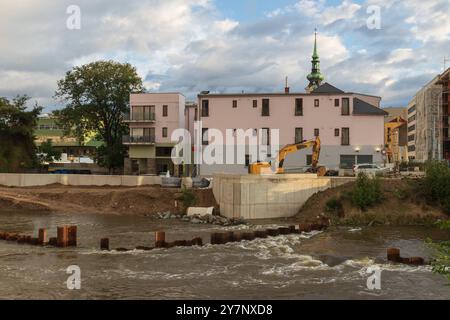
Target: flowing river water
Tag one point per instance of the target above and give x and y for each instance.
(319, 265)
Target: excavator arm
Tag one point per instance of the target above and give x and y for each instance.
(257, 168)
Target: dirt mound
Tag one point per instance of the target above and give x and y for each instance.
(399, 206)
(132, 201)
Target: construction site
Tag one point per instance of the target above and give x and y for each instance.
(429, 122)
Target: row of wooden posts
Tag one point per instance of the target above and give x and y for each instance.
(220, 237)
(393, 255)
(66, 237)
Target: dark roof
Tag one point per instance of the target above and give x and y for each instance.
(361, 107)
(327, 88)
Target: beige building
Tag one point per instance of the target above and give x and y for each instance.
(396, 135)
(153, 118)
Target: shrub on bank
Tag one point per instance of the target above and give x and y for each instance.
(436, 184)
(188, 198)
(366, 192)
(334, 206)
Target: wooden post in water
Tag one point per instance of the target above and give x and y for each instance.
(197, 241)
(72, 236)
(53, 241)
(104, 244)
(160, 239)
(42, 236)
(273, 232)
(261, 234)
(393, 254)
(62, 237)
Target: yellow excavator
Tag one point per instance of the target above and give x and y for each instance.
(266, 167)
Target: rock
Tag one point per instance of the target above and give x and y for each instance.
(196, 221)
(166, 215)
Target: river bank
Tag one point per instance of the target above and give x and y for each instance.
(400, 205)
(148, 200)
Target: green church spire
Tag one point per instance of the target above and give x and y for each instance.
(315, 78)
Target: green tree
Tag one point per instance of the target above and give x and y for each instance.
(436, 184)
(367, 191)
(97, 96)
(48, 153)
(17, 125)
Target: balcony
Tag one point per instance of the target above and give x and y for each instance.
(138, 140)
(150, 117)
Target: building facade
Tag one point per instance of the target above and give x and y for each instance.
(396, 135)
(428, 121)
(350, 125)
(47, 129)
(153, 118)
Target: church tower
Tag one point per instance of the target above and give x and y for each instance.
(315, 78)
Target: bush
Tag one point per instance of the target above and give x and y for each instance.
(334, 206)
(366, 192)
(188, 198)
(441, 262)
(437, 184)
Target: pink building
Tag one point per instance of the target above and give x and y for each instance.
(350, 125)
(153, 117)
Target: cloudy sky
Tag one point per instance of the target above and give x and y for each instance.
(227, 45)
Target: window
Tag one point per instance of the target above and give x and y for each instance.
(165, 111)
(345, 106)
(345, 139)
(196, 114)
(364, 158)
(411, 119)
(255, 103)
(247, 160)
(298, 135)
(347, 161)
(389, 133)
(309, 159)
(205, 108)
(316, 132)
(336, 102)
(265, 108)
(316, 103)
(411, 148)
(412, 128)
(299, 107)
(411, 138)
(265, 136)
(205, 139)
(234, 103)
(336, 132)
(412, 109)
(164, 132)
(145, 113)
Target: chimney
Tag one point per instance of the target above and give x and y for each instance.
(286, 88)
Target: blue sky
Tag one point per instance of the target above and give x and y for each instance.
(227, 45)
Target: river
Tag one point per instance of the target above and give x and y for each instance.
(319, 265)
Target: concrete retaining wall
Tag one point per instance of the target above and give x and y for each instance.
(33, 180)
(264, 197)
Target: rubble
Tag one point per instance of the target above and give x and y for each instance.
(198, 219)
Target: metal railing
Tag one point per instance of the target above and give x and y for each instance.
(139, 139)
(147, 117)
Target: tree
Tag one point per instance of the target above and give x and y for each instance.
(17, 147)
(48, 153)
(97, 96)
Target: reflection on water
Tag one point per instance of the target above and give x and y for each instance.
(327, 265)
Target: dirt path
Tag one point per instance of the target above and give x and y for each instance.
(117, 200)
